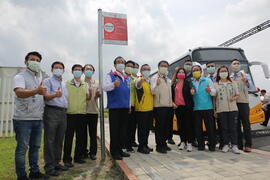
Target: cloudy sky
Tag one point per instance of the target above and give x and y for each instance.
(66, 30)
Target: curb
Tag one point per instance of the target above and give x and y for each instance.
(128, 173)
(258, 151)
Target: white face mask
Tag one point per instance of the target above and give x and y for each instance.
(33, 66)
(135, 70)
(120, 67)
(236, 68)
(163, 70)
(129, 70)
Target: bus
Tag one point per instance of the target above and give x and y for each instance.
(223, 56)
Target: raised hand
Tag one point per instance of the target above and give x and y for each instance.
(192, 91)
(117, 82)
(41, 90)
(158, 81)
(58, 93)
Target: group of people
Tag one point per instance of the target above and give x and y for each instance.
(136, 101)
(62, 108)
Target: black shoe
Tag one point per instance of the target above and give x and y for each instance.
(168, 148)
(68, 164)
(143, 150)
(124, 154)
(201, 148)
(195, 144)
(79, 161)
(38, 175)
(52, 173)
(212, 149)
(220, 146)
(117, 157)
(161, 150)
(134, 144)
(150, 149)
(171, 141)
(22, 178)
(60, 167)
(263, 124)
(92, 156)
(131, 150)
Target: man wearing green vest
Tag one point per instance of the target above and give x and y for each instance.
(78, 93)
(144, 108)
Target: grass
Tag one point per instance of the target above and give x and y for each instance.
(99, 169)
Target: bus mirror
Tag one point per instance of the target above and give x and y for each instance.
(264, 67)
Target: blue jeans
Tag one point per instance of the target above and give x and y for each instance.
(28, 133)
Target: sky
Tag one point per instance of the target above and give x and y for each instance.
(66, 30)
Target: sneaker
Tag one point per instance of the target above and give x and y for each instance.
(189, 147)
(225, 148)
(60, 167)
(38, 175)
(247, 149)
(171, 141)
(182, 146)
(235, 149)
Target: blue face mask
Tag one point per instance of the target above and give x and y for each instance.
(77, 74)
(211, 70)
(88, 73)
(146, 74)
(58, 72)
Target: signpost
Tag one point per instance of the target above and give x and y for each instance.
(112, 29)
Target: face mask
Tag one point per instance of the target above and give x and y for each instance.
(236, 68)
(33, 66)
(181, 76)
(211, 70)
(187, 67)
(196, 74)
(77, 74)
(58, 72)
(128, 70)
(120, 67)
(146, 74)
(88, 73)
(135, 70)
(163, 70)
(223, 75)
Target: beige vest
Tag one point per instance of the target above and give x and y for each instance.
(224, 93)
(243, 92)
(162, 93)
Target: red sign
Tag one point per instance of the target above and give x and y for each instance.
(115, 28)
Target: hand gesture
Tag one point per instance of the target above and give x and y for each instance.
(158, 81)
(41, 90)
(97, 94)
(192, 91)
(117, 82)
(174, 106)
(232, 99)
(208, 90)
(58, 93)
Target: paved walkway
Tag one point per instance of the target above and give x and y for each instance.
(196, 165)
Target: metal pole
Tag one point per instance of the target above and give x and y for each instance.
(100, 66)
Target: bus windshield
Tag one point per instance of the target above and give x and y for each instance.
(217, 55)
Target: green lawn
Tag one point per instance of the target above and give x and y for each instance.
(99, 169)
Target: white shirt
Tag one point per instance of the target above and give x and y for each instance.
(108, 85)
(19, 82)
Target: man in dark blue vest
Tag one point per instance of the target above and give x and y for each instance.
(116, 85)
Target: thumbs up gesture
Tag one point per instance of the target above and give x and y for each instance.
(158, 81)
(58, 93)
(41, 90)
(192, 91)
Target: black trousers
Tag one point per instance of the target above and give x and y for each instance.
(184, 120)
(118, 129)
(266, 115)
(144, 120)
(90, 124)
(75, 125)
(162, 117)
(207, 116)
(228, 121)
(55, 123)
(170, 121)
(243, 119)
(131, 126)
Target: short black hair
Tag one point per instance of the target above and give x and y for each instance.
(188, 60)
(263, 91)
(76, 65)
(144, 65)
(234, 59)
(136, 64)
(33, 53)
(163, 61)
(58, 62)
(210, 62)
(118, 57)
(89, 65)
(130, 61)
